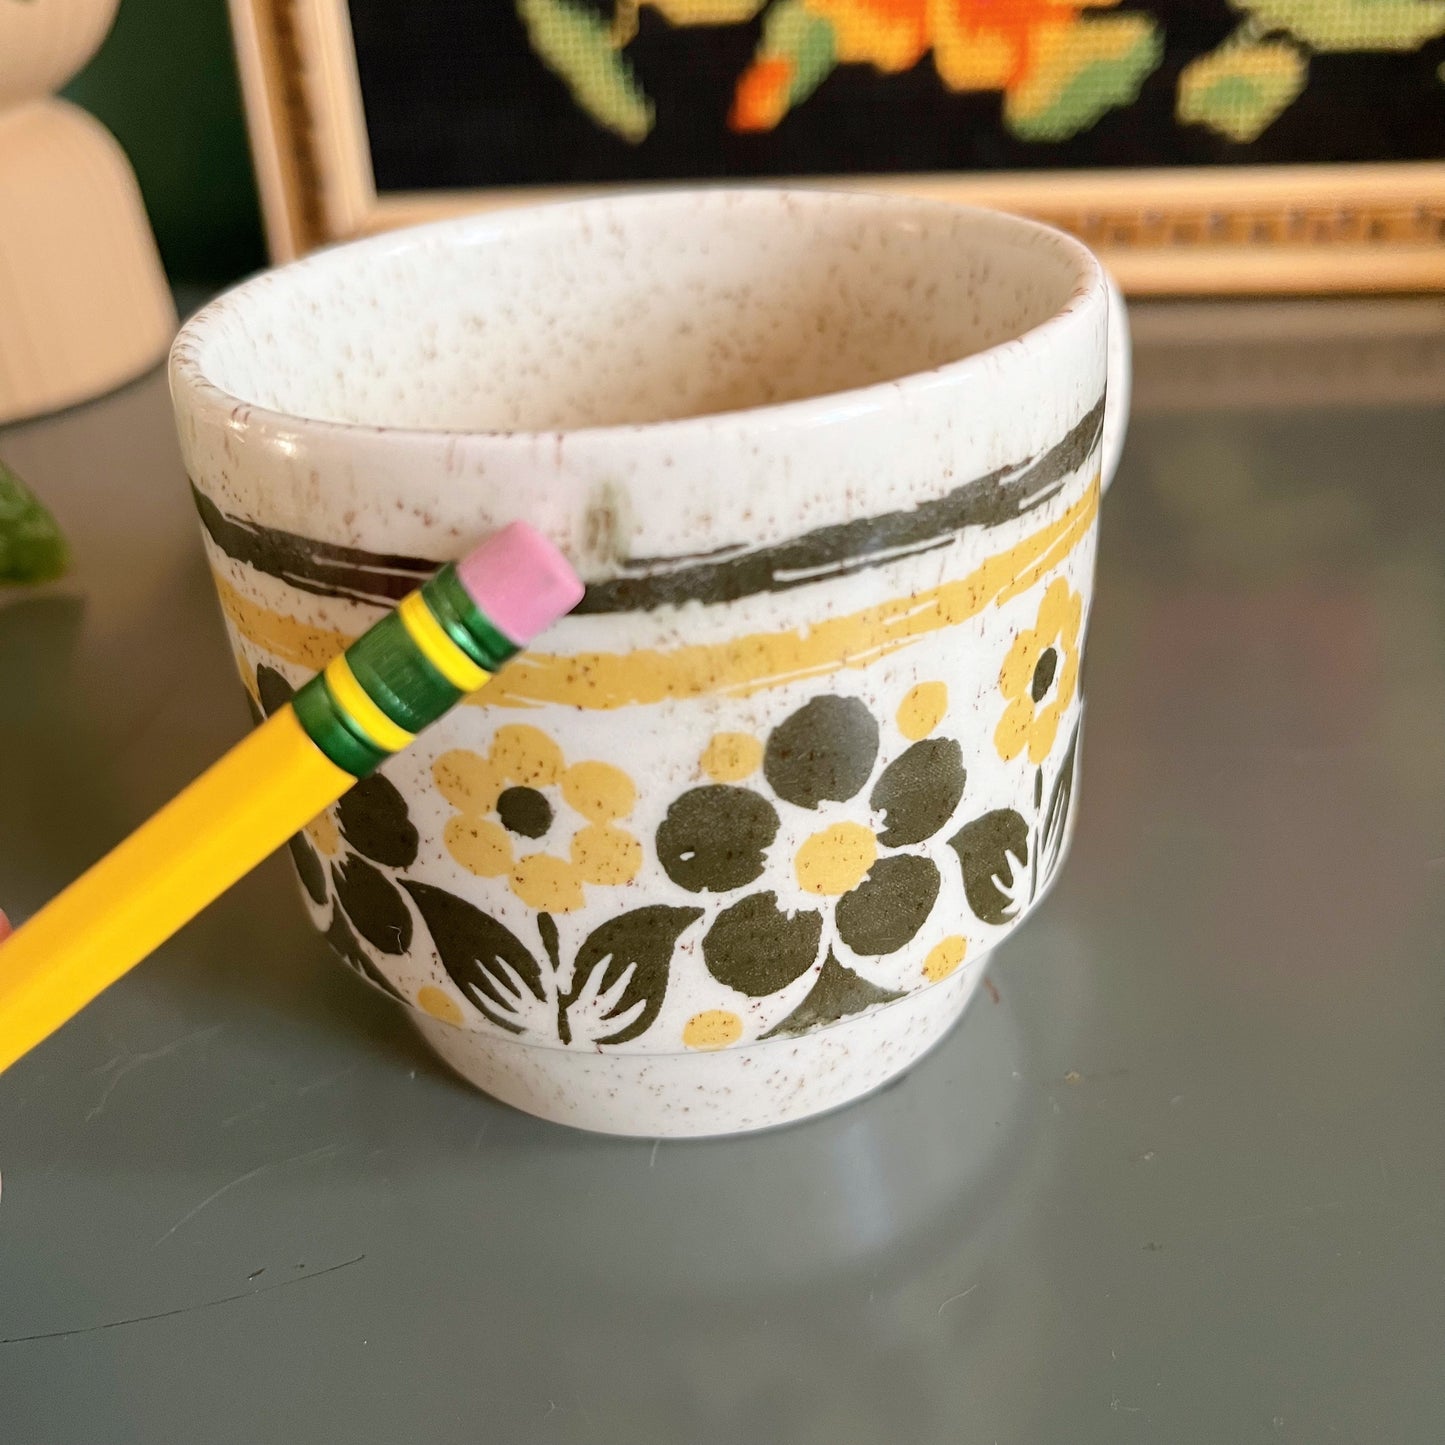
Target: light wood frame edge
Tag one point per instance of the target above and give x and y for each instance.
(1359, 228)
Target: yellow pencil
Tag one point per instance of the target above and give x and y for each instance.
(444, 641)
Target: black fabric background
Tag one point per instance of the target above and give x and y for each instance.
(455, 97)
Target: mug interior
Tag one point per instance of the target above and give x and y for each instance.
(640, 310)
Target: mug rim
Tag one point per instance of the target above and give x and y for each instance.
(188, 376)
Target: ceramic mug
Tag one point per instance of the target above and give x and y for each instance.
(732, 843)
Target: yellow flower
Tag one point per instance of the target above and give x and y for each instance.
(1039, 676)
(508, 800)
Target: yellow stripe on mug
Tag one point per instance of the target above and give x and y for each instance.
(737, 666)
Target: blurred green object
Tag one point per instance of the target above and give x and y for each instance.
(165, 83)
(31, 547)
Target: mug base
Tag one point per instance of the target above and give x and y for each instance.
(697, 1095)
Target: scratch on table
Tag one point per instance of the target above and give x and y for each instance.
(245, 1113)
(652, 1158)
(326, 1079)
(183, 1309)
(962, 1294)
(129, 1065)
(324, 1151)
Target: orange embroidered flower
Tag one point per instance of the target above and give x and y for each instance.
(1020, 47)
(762, 95)
(976, 44)
(891, 34)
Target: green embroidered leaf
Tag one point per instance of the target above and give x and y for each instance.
(1081, 71)
(577, 46)
(1350, 24)
(1241, 89)
(791, 31)
(31, 547)
(795, 55)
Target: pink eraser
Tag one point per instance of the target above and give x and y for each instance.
(520, 581)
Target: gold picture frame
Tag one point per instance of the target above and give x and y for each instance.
(1242, 230)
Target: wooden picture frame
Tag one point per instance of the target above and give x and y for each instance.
(1375, 227)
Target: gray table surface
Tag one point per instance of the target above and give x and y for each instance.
(1183, 1180)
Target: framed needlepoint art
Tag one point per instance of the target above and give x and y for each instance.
(1201, 146)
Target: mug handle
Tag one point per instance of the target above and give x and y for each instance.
(1120, 382)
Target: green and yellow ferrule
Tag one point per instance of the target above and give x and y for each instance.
(401, 675)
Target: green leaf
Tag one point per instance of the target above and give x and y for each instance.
(577, 46)
(1081, 71)
(1241, 89)
(484, 958)
(837, 993)
(1056, 817)
(637, 946)
(1328, 25)
(373, 904)
(988, 849)
(31, 547)
(345, 943)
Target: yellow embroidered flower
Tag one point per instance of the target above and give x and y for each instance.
(1039, 676)
(508, 800)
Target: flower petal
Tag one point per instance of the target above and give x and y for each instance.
(944, 958)
(469, 782)
(600, 792)
(714, 1028)
(918, 791)
(1053, 609)
(889, 906)
(548, 884)
(825, 750)
(606, 856)
(731, 757)
(481, 846)
(835, 859)
(1012, 734)
(923, 709)
(1043, 730)
(757, 949)
(714, 838)
(1018, 667)
(439, 1004)
(527, 755)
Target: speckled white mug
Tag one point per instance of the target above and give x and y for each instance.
(731, 844)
